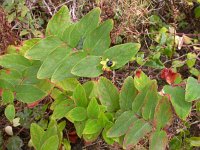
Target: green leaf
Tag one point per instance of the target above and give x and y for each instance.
(12, 76)
(14, 61)
(192, 90)
(79, 96)
(177, 95)
(30, 74)
(194, 71)
(43, 48)
(27, 45)
(141, 80)
(158, 140)
(62, 125)
(122, 124)
(127, 94)
(14, 143)
(59, 22)
(66, 144)
(28, 93)
(121, 54)
(50, 143)
(77, 114)
(10, 112)
(68, 84)
(141, 97)
(62, 108)
(74, 33)
(99, 39)
(64, 70)
(191, 59)
(197, 12)
(195, 141)
(175, 143)
(108, 140)
(150, 102)
(51, 131)
(177, 63)
(108, 94)
(163, 109)
(92, 126)
(6, 85)
(58, 99)
(7, 96)
(70, 36)
(79, 126)
(52, 62)
(89, 87)
(45, 86)
(36, 135)
(93, 109)
(137, 131)
(88, 67)
(154, 63)
(103, 117)
(91, 137)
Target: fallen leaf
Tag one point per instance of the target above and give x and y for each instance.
(73, 137)
(168, 75)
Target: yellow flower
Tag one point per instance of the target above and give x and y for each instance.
(107, 64)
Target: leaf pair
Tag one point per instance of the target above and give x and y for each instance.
(90, 40)
(20, 77)
(44, 140)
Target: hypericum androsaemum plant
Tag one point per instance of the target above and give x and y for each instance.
(125, 116)
(68, 50)
(77, 49)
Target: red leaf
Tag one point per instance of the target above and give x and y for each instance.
(73, 137)
(138, 73)
(1, 91)
(7, 71)
(32, 105)
(168, 75)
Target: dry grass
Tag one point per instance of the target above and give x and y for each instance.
(131, 17)
(7, 37)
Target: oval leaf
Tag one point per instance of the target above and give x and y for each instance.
(177, 96)
(59, 22)
(10, 112)
(52, 62)
(137, 131)
(121, 54)
(158, 140)
(108, 94)
(192, 90)
(29, 93)
(127, 94)
(121, 124)
(77, 114)
(163, 109)
(44, 47)
(99, 39)
(88, 67)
